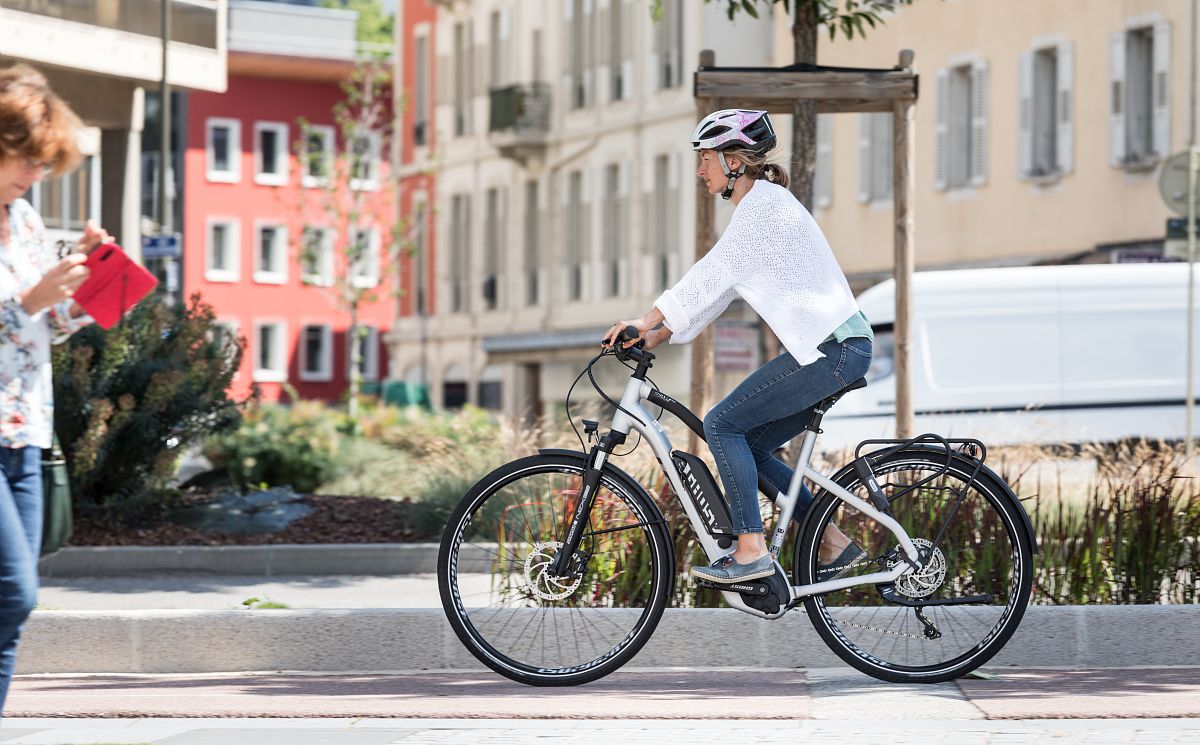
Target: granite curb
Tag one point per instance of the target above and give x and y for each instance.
(382, 640)
(271, 560)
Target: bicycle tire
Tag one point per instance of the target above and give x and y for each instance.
(831, 623)
(518, 583)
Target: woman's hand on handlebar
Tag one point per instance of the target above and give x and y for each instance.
(614, 334)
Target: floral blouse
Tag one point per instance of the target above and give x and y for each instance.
(26, 388)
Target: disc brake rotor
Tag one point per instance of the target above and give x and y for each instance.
(929, 578)
(541, 582)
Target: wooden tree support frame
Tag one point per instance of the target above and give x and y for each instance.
(836, 90)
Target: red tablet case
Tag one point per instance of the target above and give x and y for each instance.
(115, 285)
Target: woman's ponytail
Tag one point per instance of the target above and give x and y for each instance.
(758, 167)
(774, 173)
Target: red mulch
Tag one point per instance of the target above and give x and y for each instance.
(333, 520)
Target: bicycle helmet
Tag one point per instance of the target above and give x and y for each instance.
(729, 128)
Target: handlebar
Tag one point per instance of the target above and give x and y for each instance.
(634, 352)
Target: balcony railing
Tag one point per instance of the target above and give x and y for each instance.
(523, 109)
(192, 22)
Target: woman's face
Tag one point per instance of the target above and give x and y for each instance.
(709, 171)
(17, 175)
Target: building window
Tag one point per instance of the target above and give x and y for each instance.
(318, 155)
(576, 234)
(614, 227)
(454, 387)
(316, 353)
(823, 168)
(421, 91)
(270, 352)
(662, 221)
(494, 248)
(463, 64)
(620, 47)
(66, 202)
(491, 389)
(874, 157)
(316, 256)
(498, 55)
(667, 56)
(420, 260)
(961, 130)
(460, 252)
(222, 251)
(579, 52)
(1046, 111)
(368, 350)
(364, 161)
(532, 264)
(364, 261)
(1140, 114)
(270, 254)
(270, 153)
(224, 334)
(223, 149)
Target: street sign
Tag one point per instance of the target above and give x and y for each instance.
(160, 246)
(1173, 183)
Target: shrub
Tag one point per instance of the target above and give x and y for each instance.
(130, 399)
(300, 445)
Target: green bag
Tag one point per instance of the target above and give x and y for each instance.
(57, 523)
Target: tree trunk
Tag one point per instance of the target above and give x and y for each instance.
(355, 366)
(804, 113)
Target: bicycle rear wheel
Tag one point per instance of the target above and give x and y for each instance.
(507, 608)
(984, 556)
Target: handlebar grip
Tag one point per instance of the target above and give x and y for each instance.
(631, 332)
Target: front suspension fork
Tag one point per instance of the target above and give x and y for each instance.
(564, 560)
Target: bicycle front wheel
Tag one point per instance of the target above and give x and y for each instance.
(519, 619)
(954, 614)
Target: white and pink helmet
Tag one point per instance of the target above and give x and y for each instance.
(734, 128)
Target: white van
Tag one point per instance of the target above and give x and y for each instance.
(1049, 354)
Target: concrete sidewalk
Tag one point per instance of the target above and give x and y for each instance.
(558, 732)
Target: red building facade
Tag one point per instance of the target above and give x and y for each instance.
(262, 247)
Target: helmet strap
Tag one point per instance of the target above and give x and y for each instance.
(728, 192)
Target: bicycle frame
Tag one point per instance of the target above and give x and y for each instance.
(648, 426)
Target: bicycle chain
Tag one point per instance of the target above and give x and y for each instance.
(881, 631)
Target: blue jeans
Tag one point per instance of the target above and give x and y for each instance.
(20, 541)
(766, 410)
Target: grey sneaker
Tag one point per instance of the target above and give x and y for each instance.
(727, 571)
(850, 557)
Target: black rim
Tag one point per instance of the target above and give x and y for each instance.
(511, 611)
(983, 555)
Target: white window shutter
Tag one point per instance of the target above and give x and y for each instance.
(979, 95)
(865, 160)
(603, 56)
(1116, 97)
(823, 168)
(505, 74)
(1025, 117)
(1066, 107)
(1162, 88)
(941, 132)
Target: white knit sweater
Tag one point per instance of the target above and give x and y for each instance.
(776, 258)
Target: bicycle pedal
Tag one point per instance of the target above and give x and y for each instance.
(746, 588)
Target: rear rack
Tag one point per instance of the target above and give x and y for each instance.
(969, 447)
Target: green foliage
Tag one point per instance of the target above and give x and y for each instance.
(854, 17)
(263, 603)
(129, 400)
(374, 25)
(300, 445)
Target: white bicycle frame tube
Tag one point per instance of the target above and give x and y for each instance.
(645, 424)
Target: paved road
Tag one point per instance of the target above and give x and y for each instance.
(626, 732)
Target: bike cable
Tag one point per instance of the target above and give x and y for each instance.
(567, 403)
(659, 416)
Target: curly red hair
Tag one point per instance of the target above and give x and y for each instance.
(34, 122)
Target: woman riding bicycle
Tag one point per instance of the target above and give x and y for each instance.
(775, 257)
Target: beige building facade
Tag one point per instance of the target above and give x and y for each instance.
(565, 183)
(565, 190)
(1041, 129)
